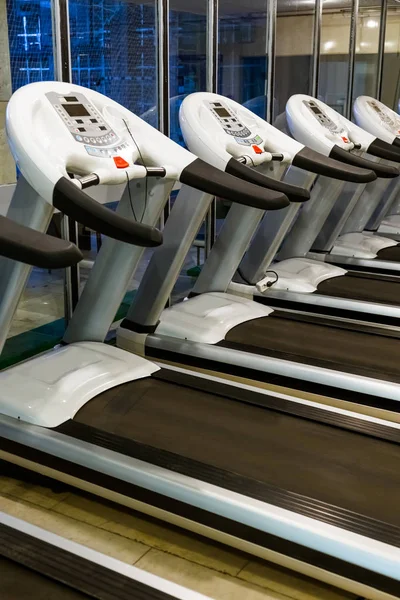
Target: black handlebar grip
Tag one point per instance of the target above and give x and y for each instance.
(309, 160)
(382, 149)
(380, 170)
(34, 248)
(203, 176)
(396, 142)
(293, 192)
(75, 203)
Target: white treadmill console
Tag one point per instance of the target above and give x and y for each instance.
(377, 118)
(317, 125)
(55, 128)
(216, 129)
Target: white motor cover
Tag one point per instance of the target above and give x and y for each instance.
(360, 245)
(377, 118)
(50, 389)
(207, 318)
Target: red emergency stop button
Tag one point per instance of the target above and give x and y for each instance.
(257, 150)
(346, 141)
(120, 162)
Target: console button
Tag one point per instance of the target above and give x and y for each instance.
(120, 162)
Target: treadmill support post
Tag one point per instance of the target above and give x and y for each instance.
(115, 265)
(30, 209)
(190, 209)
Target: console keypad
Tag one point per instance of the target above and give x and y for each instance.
(86, 124)
(229, 121)
(322, 117)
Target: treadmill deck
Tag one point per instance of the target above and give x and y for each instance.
(348, 470)
(362, 286)
(392, 253)
(324, 345)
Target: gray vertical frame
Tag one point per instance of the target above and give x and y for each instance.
(271, 57)
(381, 48)
(63, 72)
(163, 65)
(163, 79)
(352, 58)
(211, 86)
(61, 40)
(316, 48)
(212, 45)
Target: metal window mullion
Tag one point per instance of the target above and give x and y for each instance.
(352, 58)
(271, 54)
(63, 72)
(163, 79)
(211, 86)
(381, 49)
(316, 51)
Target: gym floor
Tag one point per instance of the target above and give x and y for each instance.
(190, 560)
(195, 562)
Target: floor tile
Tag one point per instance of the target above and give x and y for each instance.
(86, 510)
(216, 585)
(103, 541)
(179, 543)
(35, 494)
(289, 583)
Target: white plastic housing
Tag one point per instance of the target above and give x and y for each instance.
(360, 245)
(377, 118)
(45, 142)
(50, 389)
(320, 127)
(206, 134)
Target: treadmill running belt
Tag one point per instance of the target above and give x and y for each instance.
(325, 463)
(362, 287)
(392, 253)
(321, 345)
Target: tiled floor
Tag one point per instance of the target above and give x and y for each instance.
(216, 571)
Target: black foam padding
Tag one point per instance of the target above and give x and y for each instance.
(396, 142)
(203, 176)
(382, 149)
(293, 192)
(75, 203)
(31, 247)
(309, 160)
(380, 170)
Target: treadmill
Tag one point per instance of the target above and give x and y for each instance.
(35, 563)
(281, 477)
(214, 330)
(378, 119)
(341, 237)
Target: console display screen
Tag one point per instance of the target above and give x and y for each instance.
(316, 110)
(76, 110)
(222, 112)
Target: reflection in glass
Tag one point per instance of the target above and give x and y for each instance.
(294, 51)
(31, 41)
(188, 42)
(334, 58)
(391, 63)
(367, 48)
(113, 50)
(242, 59)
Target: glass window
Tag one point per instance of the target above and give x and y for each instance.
(187, 66)
(294, 51)
(113, 50)
(334, 59)
(367, 47)
(242, 58)
(391, 63)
